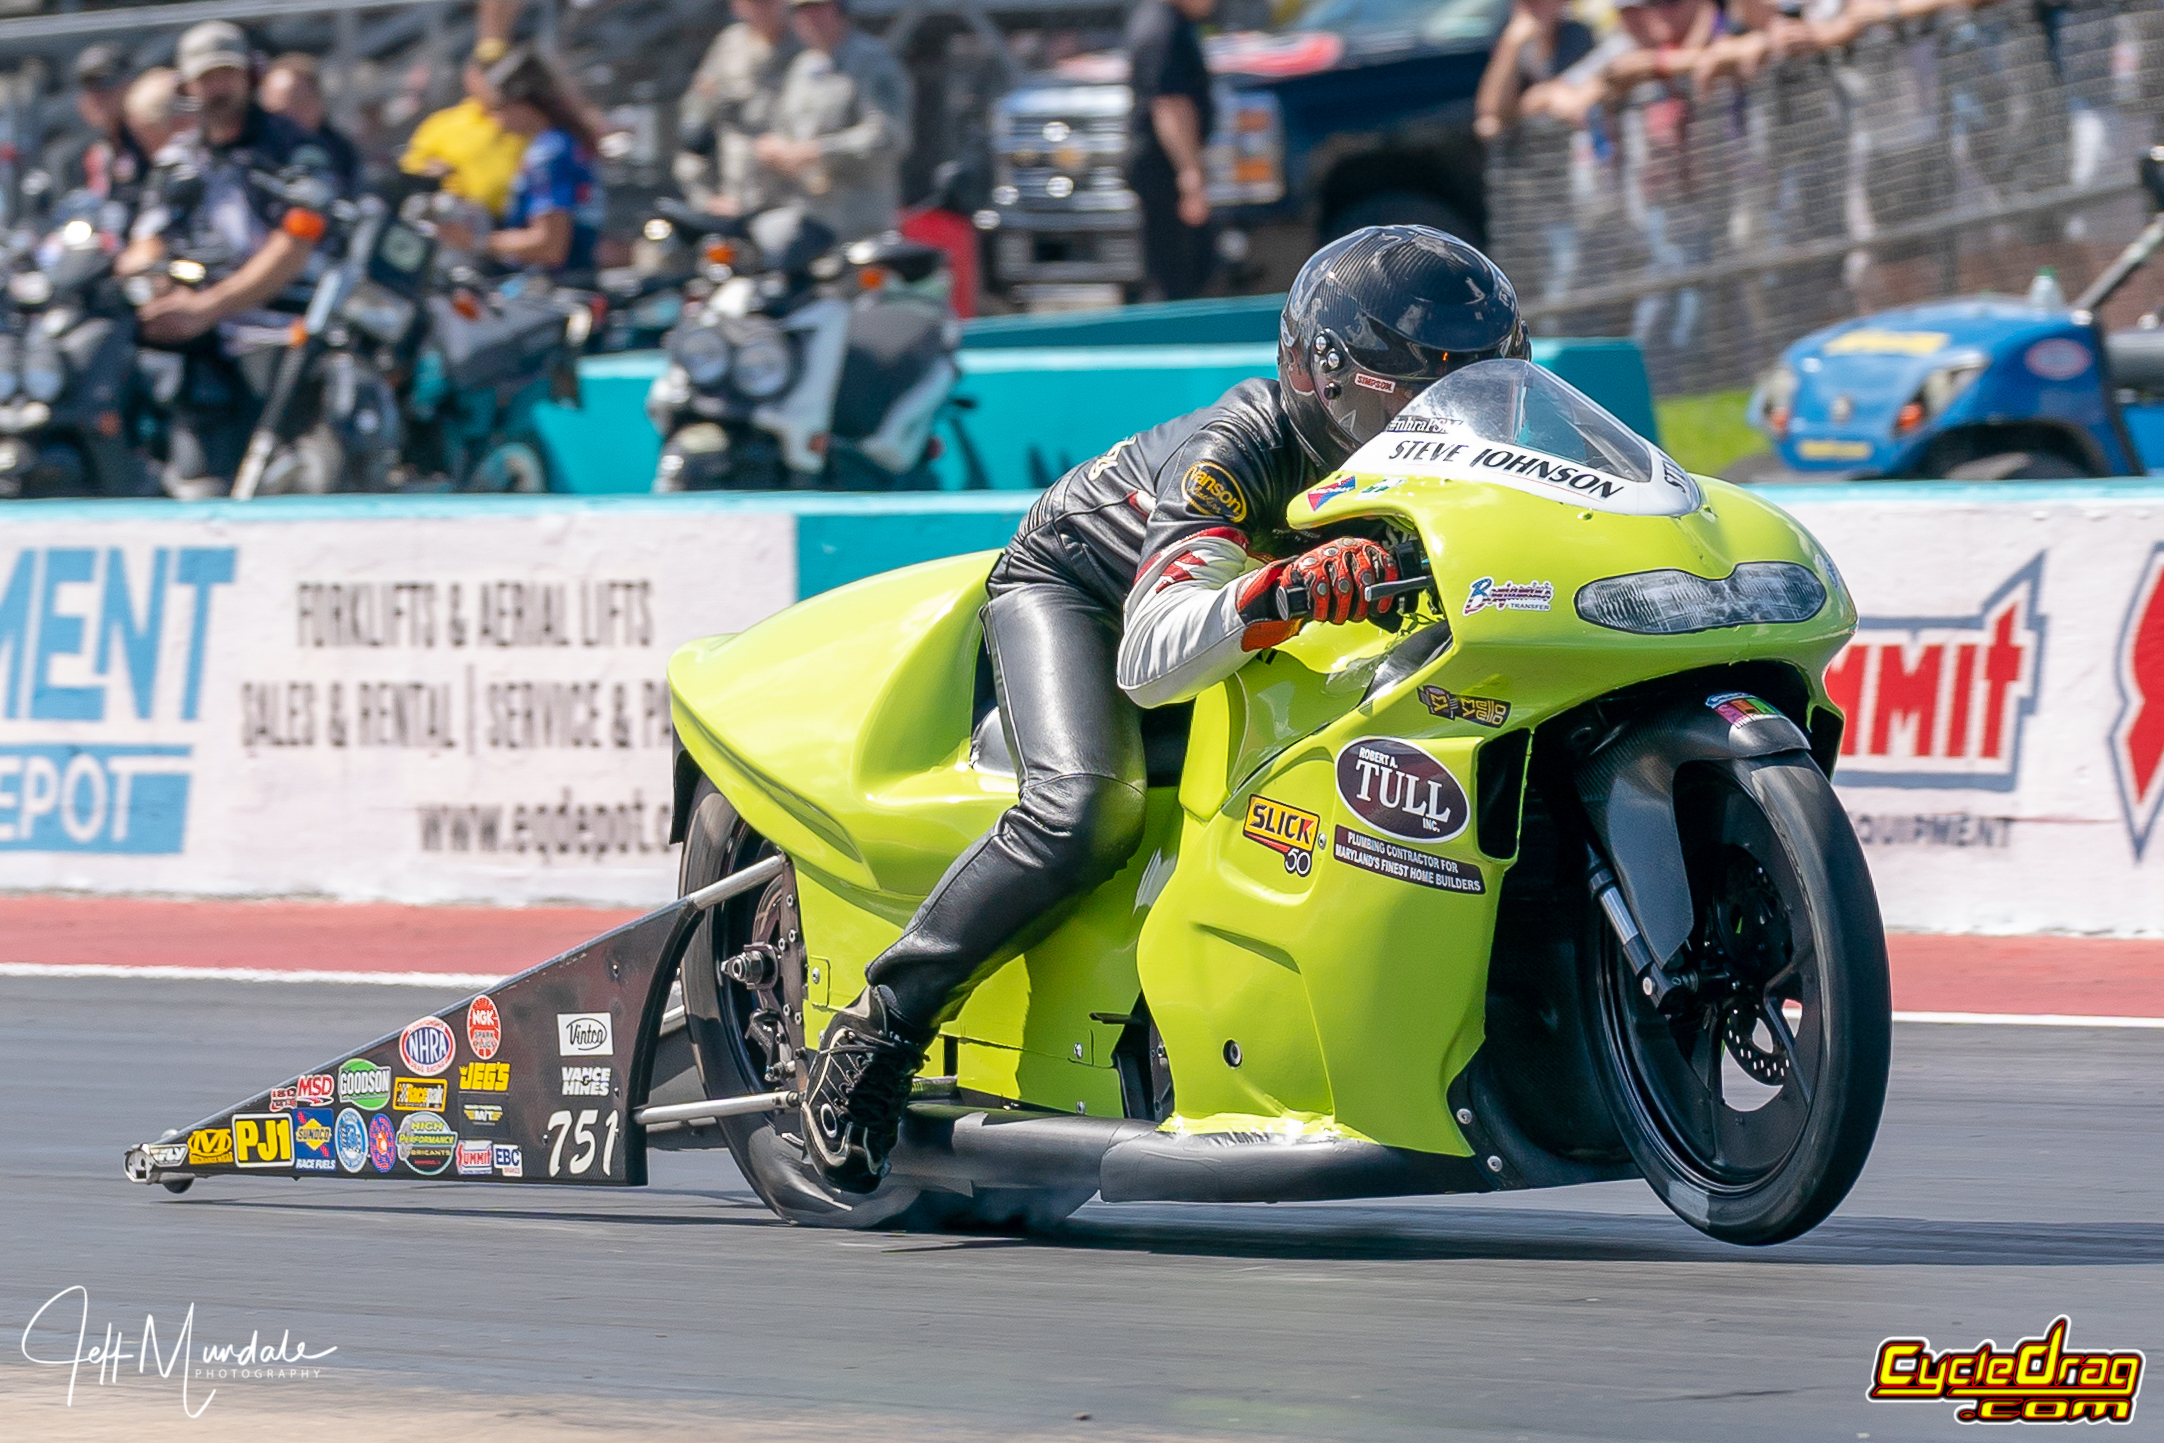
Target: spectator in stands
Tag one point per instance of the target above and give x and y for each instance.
(730, 104)
(105, 158)
(152, 112)
(293, 87)
(465, 145)
(557, 206)
(1172, 118)
(1536, 46)
(841, 125)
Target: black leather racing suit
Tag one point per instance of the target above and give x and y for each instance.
(1122, 589)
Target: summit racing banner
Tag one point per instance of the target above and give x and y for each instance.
(2004, 758)
(428, 702)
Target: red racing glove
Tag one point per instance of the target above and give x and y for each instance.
(1337, 574)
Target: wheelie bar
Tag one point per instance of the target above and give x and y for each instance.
(541, 1078)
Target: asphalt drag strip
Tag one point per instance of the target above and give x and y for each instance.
(2019, 1177)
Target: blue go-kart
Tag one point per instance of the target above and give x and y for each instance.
(1986, 388)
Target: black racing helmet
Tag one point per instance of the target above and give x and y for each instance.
(1374, 318)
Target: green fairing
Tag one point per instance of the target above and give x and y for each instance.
(840, 730)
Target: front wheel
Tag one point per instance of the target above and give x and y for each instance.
(1751, 1100)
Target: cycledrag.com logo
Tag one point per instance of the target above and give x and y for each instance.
(2039, 1380)
(59, 1336)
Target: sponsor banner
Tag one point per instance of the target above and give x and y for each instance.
(2004, 759)
(414, 701)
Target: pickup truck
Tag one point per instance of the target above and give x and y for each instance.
(1352, 113)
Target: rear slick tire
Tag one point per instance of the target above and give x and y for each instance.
(1751, 1104)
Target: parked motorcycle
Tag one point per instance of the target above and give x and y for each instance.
(68, 386)
(1542, 882)
(809, 365)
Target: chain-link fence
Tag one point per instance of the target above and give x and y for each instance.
(1959, 156)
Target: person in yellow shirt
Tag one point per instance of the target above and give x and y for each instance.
(477, 158)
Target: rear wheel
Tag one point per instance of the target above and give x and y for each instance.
(1750, 1102)
(748, 1036)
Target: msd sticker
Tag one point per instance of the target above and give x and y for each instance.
(427, 1045)
(1400, 790)
(584, 1034)
(316, 1089)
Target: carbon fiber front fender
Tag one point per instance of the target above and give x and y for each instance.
(1628, 787)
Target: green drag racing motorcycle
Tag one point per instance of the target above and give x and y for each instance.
(1538, 881)
(1545, 884)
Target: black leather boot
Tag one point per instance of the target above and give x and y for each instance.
(859, 1083)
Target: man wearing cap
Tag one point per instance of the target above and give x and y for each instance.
(730, 104)
(841, 124)
(252, 245)
(105, 159)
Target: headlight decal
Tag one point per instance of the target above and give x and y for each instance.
(1673, 603)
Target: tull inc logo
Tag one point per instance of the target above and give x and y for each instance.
(1942, 701)
(2137, 736)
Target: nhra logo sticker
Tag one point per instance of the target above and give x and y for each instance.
(583, 1034)
(427, 1045)
(1401, 791)
(2137, 737)
(484, 1028)
(1942, 701)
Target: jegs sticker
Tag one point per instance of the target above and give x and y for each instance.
(427, 1046)
(584, 1034)
(484, 1077)
(484, 1027)
(1487, 593)
(1400, 790)
(1285, 830)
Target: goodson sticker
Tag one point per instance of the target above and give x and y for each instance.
(1400, 790)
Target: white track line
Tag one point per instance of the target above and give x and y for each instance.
(486, 979)
(251, 974)
(2029, 1019)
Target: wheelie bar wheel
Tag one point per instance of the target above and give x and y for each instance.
(1750, 1100)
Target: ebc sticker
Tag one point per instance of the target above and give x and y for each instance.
(510, 1160)
(263, 1139)
(382, 1143)
(364, 1084)
(1400, 790)
(427, 1046)
(426, 1143)
(484, 1028)
(313, 1137)
(584, 1034)
(351, 1140)
(1210, 489)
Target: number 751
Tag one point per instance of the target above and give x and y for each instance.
(562, 1126)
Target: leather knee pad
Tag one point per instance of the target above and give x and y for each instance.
(1088, 826)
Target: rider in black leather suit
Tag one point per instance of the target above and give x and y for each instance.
(1140, 579)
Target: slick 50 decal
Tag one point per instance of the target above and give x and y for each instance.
(263, 1139)
(1481, 710)
(1400, 790)
(1210, 489)
(2137, 737)
(1942, 701)
(427, 1046)
(1287, 831)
